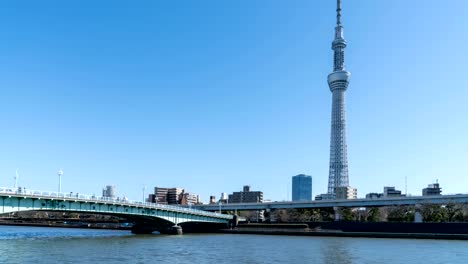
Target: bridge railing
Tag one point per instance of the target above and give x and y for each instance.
(93, 198)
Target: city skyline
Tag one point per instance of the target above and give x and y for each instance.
(213, 96)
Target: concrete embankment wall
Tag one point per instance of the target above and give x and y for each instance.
(360, 229)
(393, 227)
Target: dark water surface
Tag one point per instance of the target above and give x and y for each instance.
(60, 245)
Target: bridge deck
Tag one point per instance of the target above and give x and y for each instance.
(410, 200)
(8, 193)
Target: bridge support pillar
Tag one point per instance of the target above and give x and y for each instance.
(417, 214)
(337, 211)
(234, 222)
(177, 230)
(142, 229)
(272, 216)
(173, 230)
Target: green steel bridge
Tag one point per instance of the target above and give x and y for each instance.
(146, 217)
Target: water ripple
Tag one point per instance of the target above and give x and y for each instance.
(58, 245)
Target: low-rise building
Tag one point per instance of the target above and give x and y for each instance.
(325, 196)
(173, 196)
(345, 193)
(432, 189)
(161, 195)
(374, 195)
(224, 198)
(151, 198)
(392, 192)
(341, 193)
(246, 196)
(190, 199)
(212, 199)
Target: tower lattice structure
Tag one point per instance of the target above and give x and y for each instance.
(338, 82)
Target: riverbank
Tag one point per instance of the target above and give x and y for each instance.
(326, 233)
(453, 231)
(66, 225)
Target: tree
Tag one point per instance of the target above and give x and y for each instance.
(315, 215)
(347, 214)
(400, 214)
(373, 215)
(433, 213)
(454, 212)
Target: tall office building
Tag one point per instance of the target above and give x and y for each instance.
(301, 188)
(109, 191)
(338, 82)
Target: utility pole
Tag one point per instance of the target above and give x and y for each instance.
(406, 185)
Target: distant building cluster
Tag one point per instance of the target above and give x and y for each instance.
(340, 193)
(245, 196)
(173, 196)
(301, 191)
(388, 192)
(223, 200)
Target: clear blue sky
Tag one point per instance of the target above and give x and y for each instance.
(212, 95)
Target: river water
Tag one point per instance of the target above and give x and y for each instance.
(59, 245)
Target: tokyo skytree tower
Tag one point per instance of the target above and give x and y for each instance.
(338, 82)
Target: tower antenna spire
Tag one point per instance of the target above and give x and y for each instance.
(338, 12)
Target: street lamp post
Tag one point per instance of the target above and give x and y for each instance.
(16, 180)
(144, 189)
(60, 173)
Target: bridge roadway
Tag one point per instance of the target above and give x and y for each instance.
(410, 200)
(147, 217)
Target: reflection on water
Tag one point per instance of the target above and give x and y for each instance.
(58, 245)
(335, 250)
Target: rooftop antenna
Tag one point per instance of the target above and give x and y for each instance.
(16, 179)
